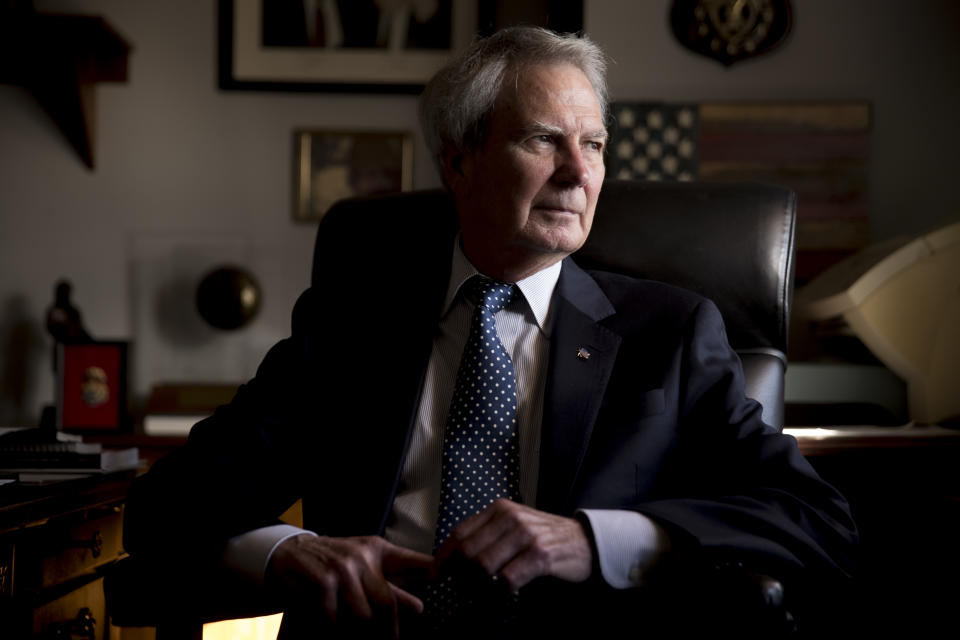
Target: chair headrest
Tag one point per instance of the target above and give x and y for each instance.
(730, 242)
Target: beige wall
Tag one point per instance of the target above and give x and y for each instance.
(176, 156)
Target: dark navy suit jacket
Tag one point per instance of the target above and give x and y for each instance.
(654, 420)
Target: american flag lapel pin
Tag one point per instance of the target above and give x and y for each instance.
(583, 354)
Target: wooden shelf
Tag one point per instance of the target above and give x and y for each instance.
(60, 59)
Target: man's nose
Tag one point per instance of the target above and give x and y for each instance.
(572, 168)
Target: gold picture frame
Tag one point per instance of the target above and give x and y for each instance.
(333, 165)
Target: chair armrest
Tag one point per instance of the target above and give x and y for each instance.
(746, 603)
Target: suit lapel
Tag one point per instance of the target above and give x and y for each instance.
(431, 271)
(391, 336)
(582, 354)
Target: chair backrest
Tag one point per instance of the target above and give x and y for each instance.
(730, 242)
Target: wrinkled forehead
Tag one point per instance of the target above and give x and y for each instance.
(521, 79)
(530, 90)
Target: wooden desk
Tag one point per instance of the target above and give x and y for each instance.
(903, 485)
(820, 441)
(55, 541)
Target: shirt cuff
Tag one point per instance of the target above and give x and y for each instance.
(249, 553)
(628, 544)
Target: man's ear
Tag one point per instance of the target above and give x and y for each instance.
(453, 168)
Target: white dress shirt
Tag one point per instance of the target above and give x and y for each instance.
(627, 542)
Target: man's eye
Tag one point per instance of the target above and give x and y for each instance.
(595, 145)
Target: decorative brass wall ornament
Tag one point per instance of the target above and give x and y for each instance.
(730, 30)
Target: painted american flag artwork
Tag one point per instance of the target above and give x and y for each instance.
(818, 149)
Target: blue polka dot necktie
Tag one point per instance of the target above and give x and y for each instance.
(480, 450)
(481, 457)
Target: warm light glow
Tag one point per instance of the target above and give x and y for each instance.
(263, 628)
(811, 433)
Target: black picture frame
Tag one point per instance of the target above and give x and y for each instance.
(245, 64)
(562, 16)
(309, 69)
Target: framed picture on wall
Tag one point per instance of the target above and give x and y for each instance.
(92, 386)
(332, 165)
(330, 45)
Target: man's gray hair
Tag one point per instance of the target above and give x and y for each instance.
(457, 103)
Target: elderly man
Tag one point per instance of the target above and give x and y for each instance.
(477, 427)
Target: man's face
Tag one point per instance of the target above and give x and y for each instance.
(526, 198)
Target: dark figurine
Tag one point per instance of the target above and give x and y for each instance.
(63, 319)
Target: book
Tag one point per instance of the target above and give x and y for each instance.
(48, 477)
(173, 409)
(32, 449)
(25, 435)
(101, 461)
(170, 425)
(29, 448)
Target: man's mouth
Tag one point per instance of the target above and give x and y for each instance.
(557, 209)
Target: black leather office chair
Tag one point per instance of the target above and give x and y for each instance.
(733, 243)
(730, 242)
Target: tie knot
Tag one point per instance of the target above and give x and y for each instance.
(491, 294)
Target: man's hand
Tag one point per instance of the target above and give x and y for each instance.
(351, 578)
(517, 543)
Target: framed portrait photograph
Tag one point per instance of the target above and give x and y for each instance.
(92, 386)
(340, 45)
(333, 165)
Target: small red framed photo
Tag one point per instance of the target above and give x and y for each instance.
(92, 386)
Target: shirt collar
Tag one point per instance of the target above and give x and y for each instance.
(537, 289)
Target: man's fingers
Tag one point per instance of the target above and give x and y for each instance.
(401, 565)
(523, 567)
(329, 598)
(519, 543)
(551, 545)
(472, 534)
(354, 593)
(346, 576)
(513, 544)
(384, 614)
(406, 599)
